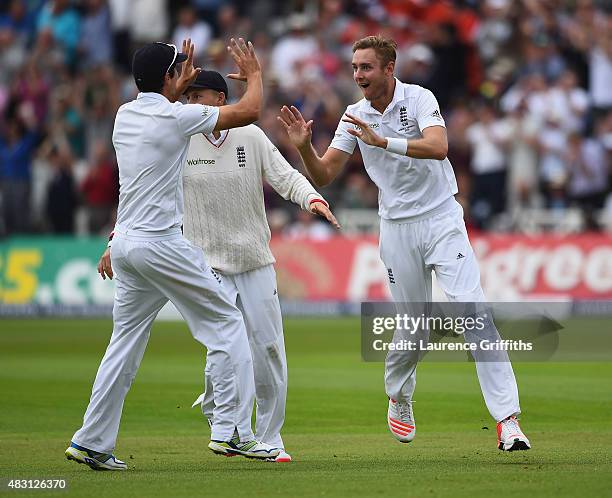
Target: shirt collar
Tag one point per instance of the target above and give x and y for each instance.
(151, 95)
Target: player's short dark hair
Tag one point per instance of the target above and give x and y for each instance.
(384, 47)
(155, 87)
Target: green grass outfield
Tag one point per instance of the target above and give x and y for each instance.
(335, 427)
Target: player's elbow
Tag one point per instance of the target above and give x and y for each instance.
(254, 112)
(322, 180)
(441, 151)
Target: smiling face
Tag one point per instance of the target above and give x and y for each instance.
(370, 74)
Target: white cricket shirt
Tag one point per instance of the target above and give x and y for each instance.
(407, 186)
(224, 200)
(151, 138)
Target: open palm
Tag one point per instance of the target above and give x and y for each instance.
(298, 130)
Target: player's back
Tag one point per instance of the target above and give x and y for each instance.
(151, 151)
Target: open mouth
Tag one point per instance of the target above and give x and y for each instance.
(364, 85)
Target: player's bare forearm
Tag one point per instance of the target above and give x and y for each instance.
(323, 169)
(315, 166)
(427, 148)
(247, 110)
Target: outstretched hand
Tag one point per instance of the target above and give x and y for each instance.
(188, 72)
(298, 130)
(322, 210)
(364, 132)
(245, 58)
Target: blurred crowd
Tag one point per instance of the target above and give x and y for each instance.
(525, 87)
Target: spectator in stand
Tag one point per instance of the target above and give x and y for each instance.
(64, 23)
(489, 138)
(148, 21)
(31, 88)
(449, 78)
(189, 27)
(553, 167)
(568, 102)
(62, 197)
(418, 65)
(120, 13)
(601, 65)
(67, 117)
(14, 36)
(209, 9)
(460, 152)
(18, 141)
(20, 17)
(101, 101)
(588, 175)
(495, 33)
(100, 189)
(96, 36)
(522, 182)
(291, 49)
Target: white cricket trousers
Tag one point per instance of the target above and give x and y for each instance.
(149, 271)
(255, 294)
(410, 250)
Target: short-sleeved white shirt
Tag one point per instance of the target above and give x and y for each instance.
(151, 138)
(407, 187)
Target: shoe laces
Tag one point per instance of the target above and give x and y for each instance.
(511, 423)
(404, 409)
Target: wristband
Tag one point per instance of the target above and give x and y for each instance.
(109, 243)
(110, 238)
(397, 145)
(317, 199)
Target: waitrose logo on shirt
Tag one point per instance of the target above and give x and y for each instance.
(198, 162)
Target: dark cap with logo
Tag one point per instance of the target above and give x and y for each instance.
(211, 80)
(151, 63)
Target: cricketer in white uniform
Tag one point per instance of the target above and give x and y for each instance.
(225, 216)
(154, 263)
(402, 138)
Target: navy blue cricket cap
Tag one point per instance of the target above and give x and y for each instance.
(211, 80)
(151, 63)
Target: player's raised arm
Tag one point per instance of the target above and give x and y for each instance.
(188, 72)
(323, 169)
(247, 109)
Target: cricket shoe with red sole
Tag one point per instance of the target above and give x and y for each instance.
(401, 420)
(510, 437)
(283, 457)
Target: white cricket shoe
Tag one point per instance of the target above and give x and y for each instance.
(249, 449)
(401, 420)
(95, 460)
(510, 437)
